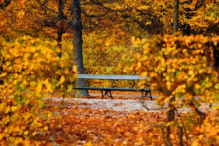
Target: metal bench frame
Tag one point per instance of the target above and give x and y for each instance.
(145, 92)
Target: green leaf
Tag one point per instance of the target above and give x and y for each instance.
(196, 91)
(217, 86)
(41, 104)
(109, 69)
(19, 85)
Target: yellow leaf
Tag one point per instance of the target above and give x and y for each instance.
(144, 75)
(1, 136)
(74, 69)
(14, 108)
(47, 82)
(191, 72)
(167, 78)
(131, 116)
(172, 136)
(62, 79)
(26, 133)
(46, 128)
(88, 144)
(34, 133)
(197, 86)
(139, 64)
(107, 43)
(39, 88)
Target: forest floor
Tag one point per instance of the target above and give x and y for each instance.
(120, 102)
(124, 120)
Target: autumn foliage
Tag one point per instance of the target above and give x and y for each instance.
(25, 80)
(119, 37)
(184, 67)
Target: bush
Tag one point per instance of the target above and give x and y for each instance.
(25, 65)
(184, 67)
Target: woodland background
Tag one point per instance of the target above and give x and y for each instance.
(41, 54)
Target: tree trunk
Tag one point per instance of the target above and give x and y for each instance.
(180, 134)
(170, 118)
(59, 54)
(175, 16)
(77, 44)
(171, 111)
(59, 34)
(59, 40)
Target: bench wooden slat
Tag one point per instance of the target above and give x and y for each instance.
(110, 77)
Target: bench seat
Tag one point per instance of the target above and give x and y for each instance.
(145, 92)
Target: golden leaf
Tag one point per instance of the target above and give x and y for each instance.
(26, 133)
(139, 64)
(88, 144)
(46, 128)
(62, 79)
(197, 86)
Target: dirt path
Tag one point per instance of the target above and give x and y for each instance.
(116, 104)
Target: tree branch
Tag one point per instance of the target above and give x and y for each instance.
(5, 4)
(198, 4)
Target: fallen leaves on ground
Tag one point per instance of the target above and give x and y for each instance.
(71, 125)
(85, 126)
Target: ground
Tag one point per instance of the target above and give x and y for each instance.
(121, 102)
(124, 120)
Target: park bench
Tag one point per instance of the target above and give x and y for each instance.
(144, 92)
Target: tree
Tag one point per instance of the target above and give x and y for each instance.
(59, 21)
(171, 111)
(77, 42)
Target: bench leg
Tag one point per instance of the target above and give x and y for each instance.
(150, 95)
(142, 95)
(108, 93)
(102, 94)
(146, 94)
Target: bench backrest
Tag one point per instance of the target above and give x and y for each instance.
(110, 77)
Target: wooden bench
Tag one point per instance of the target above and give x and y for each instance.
(144, 92)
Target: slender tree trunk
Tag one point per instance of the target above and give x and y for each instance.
(168, 141)
(175, 29)
(170, 118)
(59, 40)
(180, 134)
(216, 58)
(77, 43)
(175, 16)
(171, 112)
(60, 33)
(59, 54)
